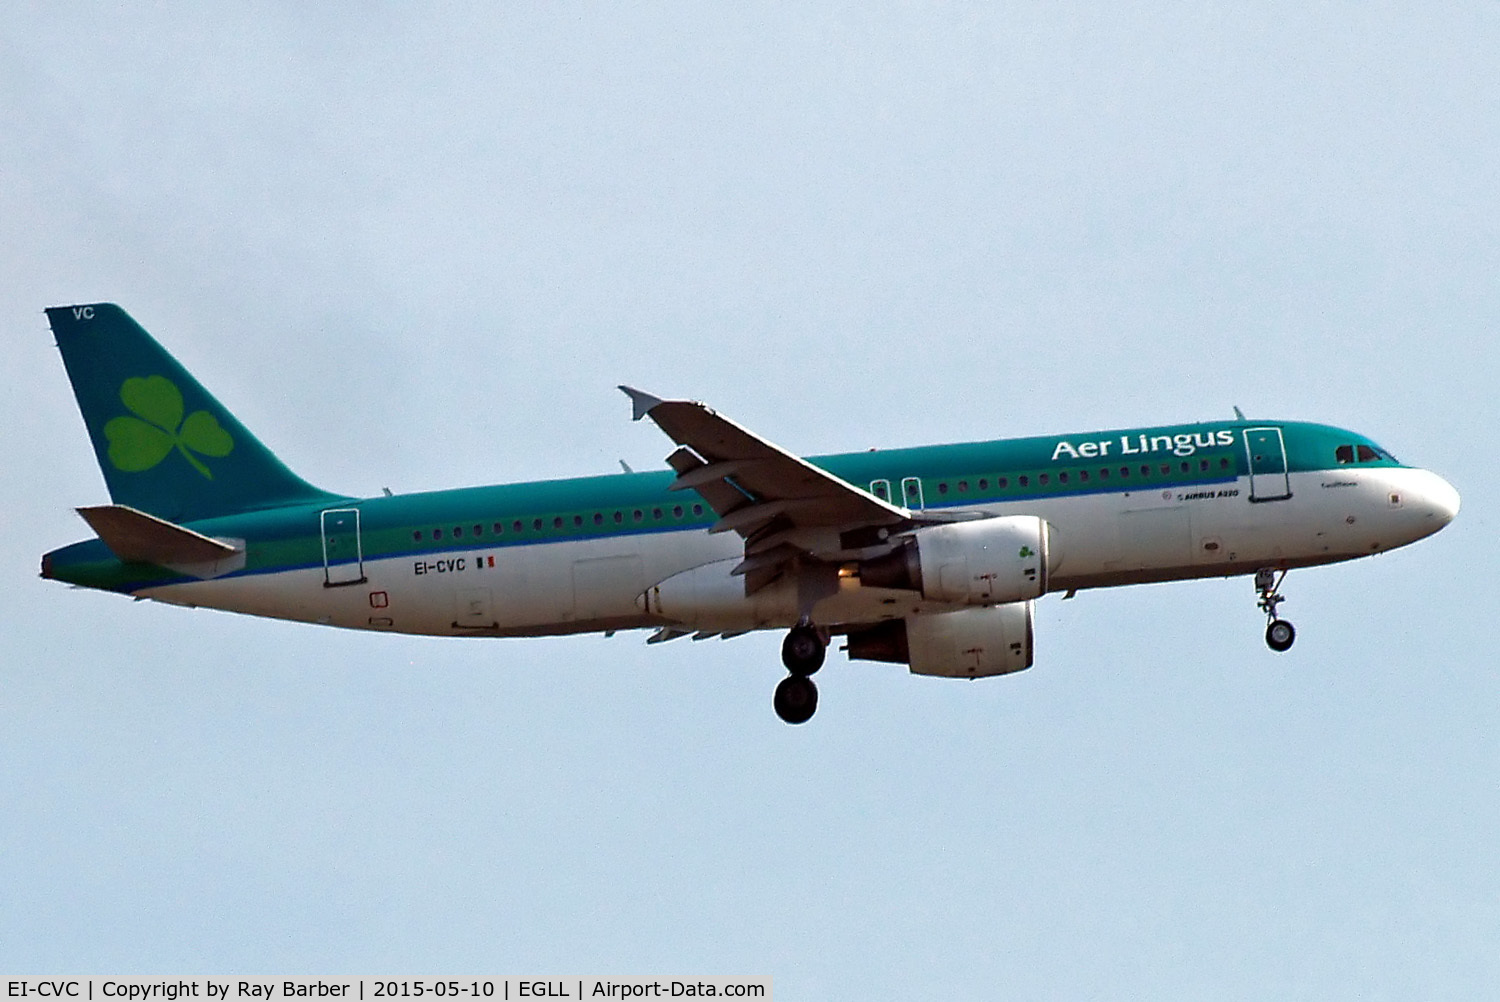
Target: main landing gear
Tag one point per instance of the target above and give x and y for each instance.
(1279, 633)
(802, 652)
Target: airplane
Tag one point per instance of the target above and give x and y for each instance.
(932, 557)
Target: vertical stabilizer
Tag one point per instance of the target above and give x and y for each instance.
(165, 445)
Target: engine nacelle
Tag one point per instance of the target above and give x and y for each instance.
(711, 596)
(969, 643)
(985, 562)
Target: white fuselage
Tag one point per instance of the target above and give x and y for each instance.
(1097, 540)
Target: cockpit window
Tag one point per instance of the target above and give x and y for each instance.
(1347, 454)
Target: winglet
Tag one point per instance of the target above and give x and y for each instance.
(641, 402)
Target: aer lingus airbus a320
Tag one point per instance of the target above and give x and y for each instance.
(929, 557)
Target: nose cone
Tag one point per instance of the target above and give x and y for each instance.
(1444, 500)
(1434, 497)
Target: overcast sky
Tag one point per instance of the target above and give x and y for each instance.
(419, 250)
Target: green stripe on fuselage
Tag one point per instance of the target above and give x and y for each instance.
(962, 475)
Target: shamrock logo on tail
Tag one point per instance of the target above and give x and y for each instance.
(141, 442)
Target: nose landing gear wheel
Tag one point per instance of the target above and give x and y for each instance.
(803, 650)
(796, 699)
(1280, 635)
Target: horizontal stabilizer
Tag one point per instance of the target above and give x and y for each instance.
(140, 538)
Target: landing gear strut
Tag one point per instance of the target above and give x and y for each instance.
(1279, 633)
(802, 652)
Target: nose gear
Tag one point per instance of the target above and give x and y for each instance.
(1280, 634)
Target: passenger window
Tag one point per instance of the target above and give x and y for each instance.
(577, 520)
(417, 535)
(881, 489)
(458, 530)
(943, 488)
(1344, 454)
(499, 528)
(1367, 454)
(697, 509)
(1044, 479)
(963, 487)
(619, 517)
(598, 518)
(984, 483)
(536, 525)
(437, 533)
(479, 530)
(1062, 478)
(516, 526)
(1025, 481)
(1083, 476)
(677, 511)
(1124, 471)
(557, 522)
(1002, 483)
(1104, 473)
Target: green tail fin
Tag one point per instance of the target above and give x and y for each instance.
(166, 446)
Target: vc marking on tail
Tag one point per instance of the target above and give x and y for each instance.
(141, 442)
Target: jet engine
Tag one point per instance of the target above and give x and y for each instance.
(986, 562)
(712, 596)
(968, 643)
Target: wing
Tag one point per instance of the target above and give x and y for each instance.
(777, 501)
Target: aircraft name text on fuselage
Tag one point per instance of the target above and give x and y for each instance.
(1180, 444)
(1228, 492)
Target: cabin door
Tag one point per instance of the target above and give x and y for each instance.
(343, 557)
(1268, 468)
